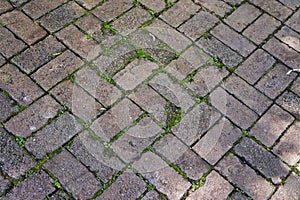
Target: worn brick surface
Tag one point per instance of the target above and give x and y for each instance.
(218, 7)
(73, 175)
(238, 196)
(4, 6)
(17, 2)
(58, 195)
(290, 102)
(33, 117)
(293, 22)
(296, 87)
(215, 187)
(289, 37)
(7, 107)
(19, 86)
(255, 66)
(2, 60)
(89, 4)
(290, 190)
(293, 4)
(157, 6)
(271, 125)
(4, 185)
(152, 195)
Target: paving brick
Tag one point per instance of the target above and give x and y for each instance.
(234, 110)
(245, 178)
(19, 86)
(7, 107)
(274, 8)
(53, 135)
(41, 53)
(73, 175)
(275, 82)
(255, 66)
(217, 141)
(238, 196)
(152, 195)
(188, 62)
(14, 162)
(218, 7)
(61, 16)
(4, 185)
(172, 91)
(9, 44)
(16, 3)
(269, 128)
(242, 17)
(98, 87)
(2, 60)
(57, 69)
(37, 186)
(131, 20)
(78, 42)
(289, 37)
(213, 46)
(59, 195)
(233, 39)
(111, 9)
(127, 186)
(198, 24)
(196, 123)
(116, 119)
(261, 28)
(293, 22)
(234, 2)
(293, 4)
(135, 73)
(93, 154)
(296, 86)
(89, 4)
(32, 118)
(4, 6)
(215, 187)
(261, 159)
(288, 146)
(22, 26)
(132, 143)
(290, 190)
(37, 8)
(163, 177)
(180, 12)
(241, 90)
(157, 6)
(290, 102)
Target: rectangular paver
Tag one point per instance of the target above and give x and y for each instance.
(216, 6)
(289, 37)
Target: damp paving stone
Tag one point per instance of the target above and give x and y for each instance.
(275, 81)
(59, 195)
(242, 16)
(77, 41)
(296, 86)
(241, 90)
(156, 6)
(135, 73)
(41, 53)
(255, 66)
(218, 7)
(214, 47)
(111, 9)
(290, 102)
(37, 8)
(127, 186)
(217, 141)
(89, 4)
(180, 12)
(293, 22)
(92, 153)
(163, 177)
(245, 177)
(290, 190)
(288, 147)
(8, 107)
(73, 175)
(32, 118)
(215, 187)
(261, 159)
(37, 186)
(9, 44)
(14, 162)
(19, 86)
(116, 119)
(233, 39)
(57, 69)
(289, 37)
(4, 185)
(4, 6)
(20, 24)
(61, 16)
(261, 28)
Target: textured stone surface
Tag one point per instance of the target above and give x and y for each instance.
(4, 6)
(4, 185)
(152, 195)
(218, 7)
(289, 37)
(89, 4)
(296, 87)
(293, 4)
(157, 6)
(290, 190)
(293, 22)
(59, 195)
(7, 107)
(290, 102)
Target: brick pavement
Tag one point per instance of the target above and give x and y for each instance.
(138, 99)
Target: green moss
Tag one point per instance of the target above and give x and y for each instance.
(174, 115)
(20, 141)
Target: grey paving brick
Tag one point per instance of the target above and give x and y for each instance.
(4, 6)
(37, 186)
(288, 145)
(4, 185)
(89, 4)
(59, 195)
(238, 196)
(215, 187)
(234, 2)
(296, 87)
(218, 7)
(289, 37)
(293, 4)
(255, 66)
(290, 190)
(61, 16)
(14, 162)
(7, 107)
(290, 102)
(41, 53)
(73, 175)
(19, 86)
(265, 131)
(2, 60)
(245, 178)
(293, 22)
(242, 17)
(261, 28)
(157, 6)
(17, 2)
(152, 195)
(233, 39)
(32, 118)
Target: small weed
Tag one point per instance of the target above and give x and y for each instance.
(1, 125)
(174, 115)
(2, 24)
(20, 141)
(150, 187)
(151, 12)
(216, 61)
(245, 133)
(136, 4)
(57, 184)
(88, 36)
(56, 54)
(205, 35)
